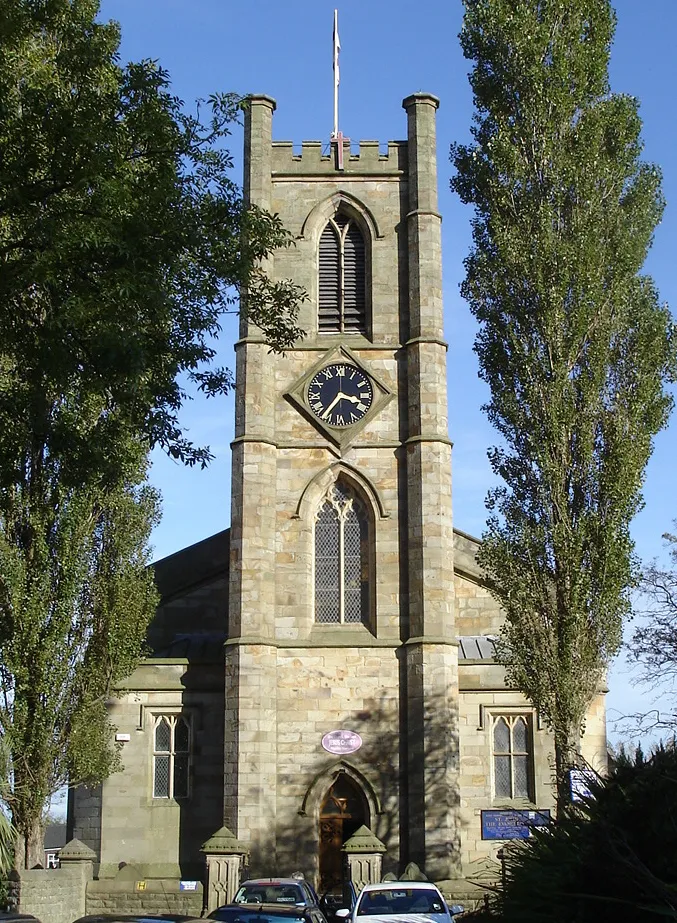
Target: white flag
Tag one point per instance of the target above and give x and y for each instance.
(337, 48)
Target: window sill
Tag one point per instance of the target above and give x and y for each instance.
(339, 635)
(516, 804)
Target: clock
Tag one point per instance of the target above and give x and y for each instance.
(340, 394)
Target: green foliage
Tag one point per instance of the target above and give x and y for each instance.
(123, 241)
(573, 342)
(76, 597)
(613, 858)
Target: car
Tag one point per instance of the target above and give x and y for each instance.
(410, 901)
(272, 900)
(138, 918)
(291, 891)
(267, 913)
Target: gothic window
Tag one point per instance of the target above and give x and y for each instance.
(513, 755)
(171, 755)
(342, 278)
(341, 558)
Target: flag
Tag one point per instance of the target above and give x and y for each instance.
(337, 48)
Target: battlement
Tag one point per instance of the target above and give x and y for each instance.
(313, 161)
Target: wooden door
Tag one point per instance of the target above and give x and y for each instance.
(342, 812)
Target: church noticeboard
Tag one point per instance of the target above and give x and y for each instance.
(512, 825)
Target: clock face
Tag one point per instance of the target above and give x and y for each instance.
(340, 394)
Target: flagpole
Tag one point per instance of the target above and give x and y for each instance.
(337, 48)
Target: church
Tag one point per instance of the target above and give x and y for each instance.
(326, 663)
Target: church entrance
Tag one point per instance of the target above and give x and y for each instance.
(342, 812)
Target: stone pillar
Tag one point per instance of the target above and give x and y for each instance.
(363, 857)
(78, 860)
(431, 649)
(225, 857)
(250, 767)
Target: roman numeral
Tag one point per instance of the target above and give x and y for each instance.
(339, 421)
(365, 395)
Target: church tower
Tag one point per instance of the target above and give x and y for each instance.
(341, 609)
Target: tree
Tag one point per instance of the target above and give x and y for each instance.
(573, 343)
(654, 640)
(612, 858)
(123, 240)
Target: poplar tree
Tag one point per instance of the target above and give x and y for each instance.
(573, 342)
(123, 241)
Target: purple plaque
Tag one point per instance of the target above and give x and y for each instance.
(341, 741)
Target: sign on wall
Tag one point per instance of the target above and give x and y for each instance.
(511, 824)
(341, 741)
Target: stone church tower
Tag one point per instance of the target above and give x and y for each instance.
(327, 663)
(341, 552)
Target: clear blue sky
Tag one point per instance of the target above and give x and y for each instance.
(391, 48)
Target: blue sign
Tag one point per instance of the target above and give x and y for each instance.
(512, 825)
(188, 886)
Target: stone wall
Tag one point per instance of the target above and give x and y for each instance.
(159, 896)
(55, 895)
(162, 836)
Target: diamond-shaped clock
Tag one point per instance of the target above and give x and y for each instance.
(339, 394)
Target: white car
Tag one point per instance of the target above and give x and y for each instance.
(400, 902)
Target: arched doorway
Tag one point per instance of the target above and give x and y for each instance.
(342, 812)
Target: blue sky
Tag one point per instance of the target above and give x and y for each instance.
(391, 48)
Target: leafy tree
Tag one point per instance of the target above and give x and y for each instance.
(123, 240)
(573, 342)
(612, 858)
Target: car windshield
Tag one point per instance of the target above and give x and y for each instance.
(400, 900)
(252, 915)
(269, 894)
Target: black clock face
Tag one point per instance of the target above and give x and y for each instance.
(340, 394)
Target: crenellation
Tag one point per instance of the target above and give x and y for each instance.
(316, 159)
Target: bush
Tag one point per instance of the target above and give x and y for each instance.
(612, 858)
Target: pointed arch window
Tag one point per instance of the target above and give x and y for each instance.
(513, 755)
(342, 303)
(342, 558)
(171, 755)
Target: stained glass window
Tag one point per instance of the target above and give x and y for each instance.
(171, 756)
(341, 558)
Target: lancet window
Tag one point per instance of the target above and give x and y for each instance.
(341, 558)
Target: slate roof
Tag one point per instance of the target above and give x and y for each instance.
(476, 647)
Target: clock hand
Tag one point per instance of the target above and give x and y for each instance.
(338, 397)
(351, 398)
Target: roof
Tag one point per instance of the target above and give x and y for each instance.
(400, 885)
(192, 566)
(476, 647)
(55, 836)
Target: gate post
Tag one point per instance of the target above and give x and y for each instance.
(226, 857)
(364, 857)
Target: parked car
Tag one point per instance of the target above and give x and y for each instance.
(290, 891)
(267, 913)
(410, 901)
(12, 916)
(137, 918)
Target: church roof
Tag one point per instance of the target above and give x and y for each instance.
(476, 647)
